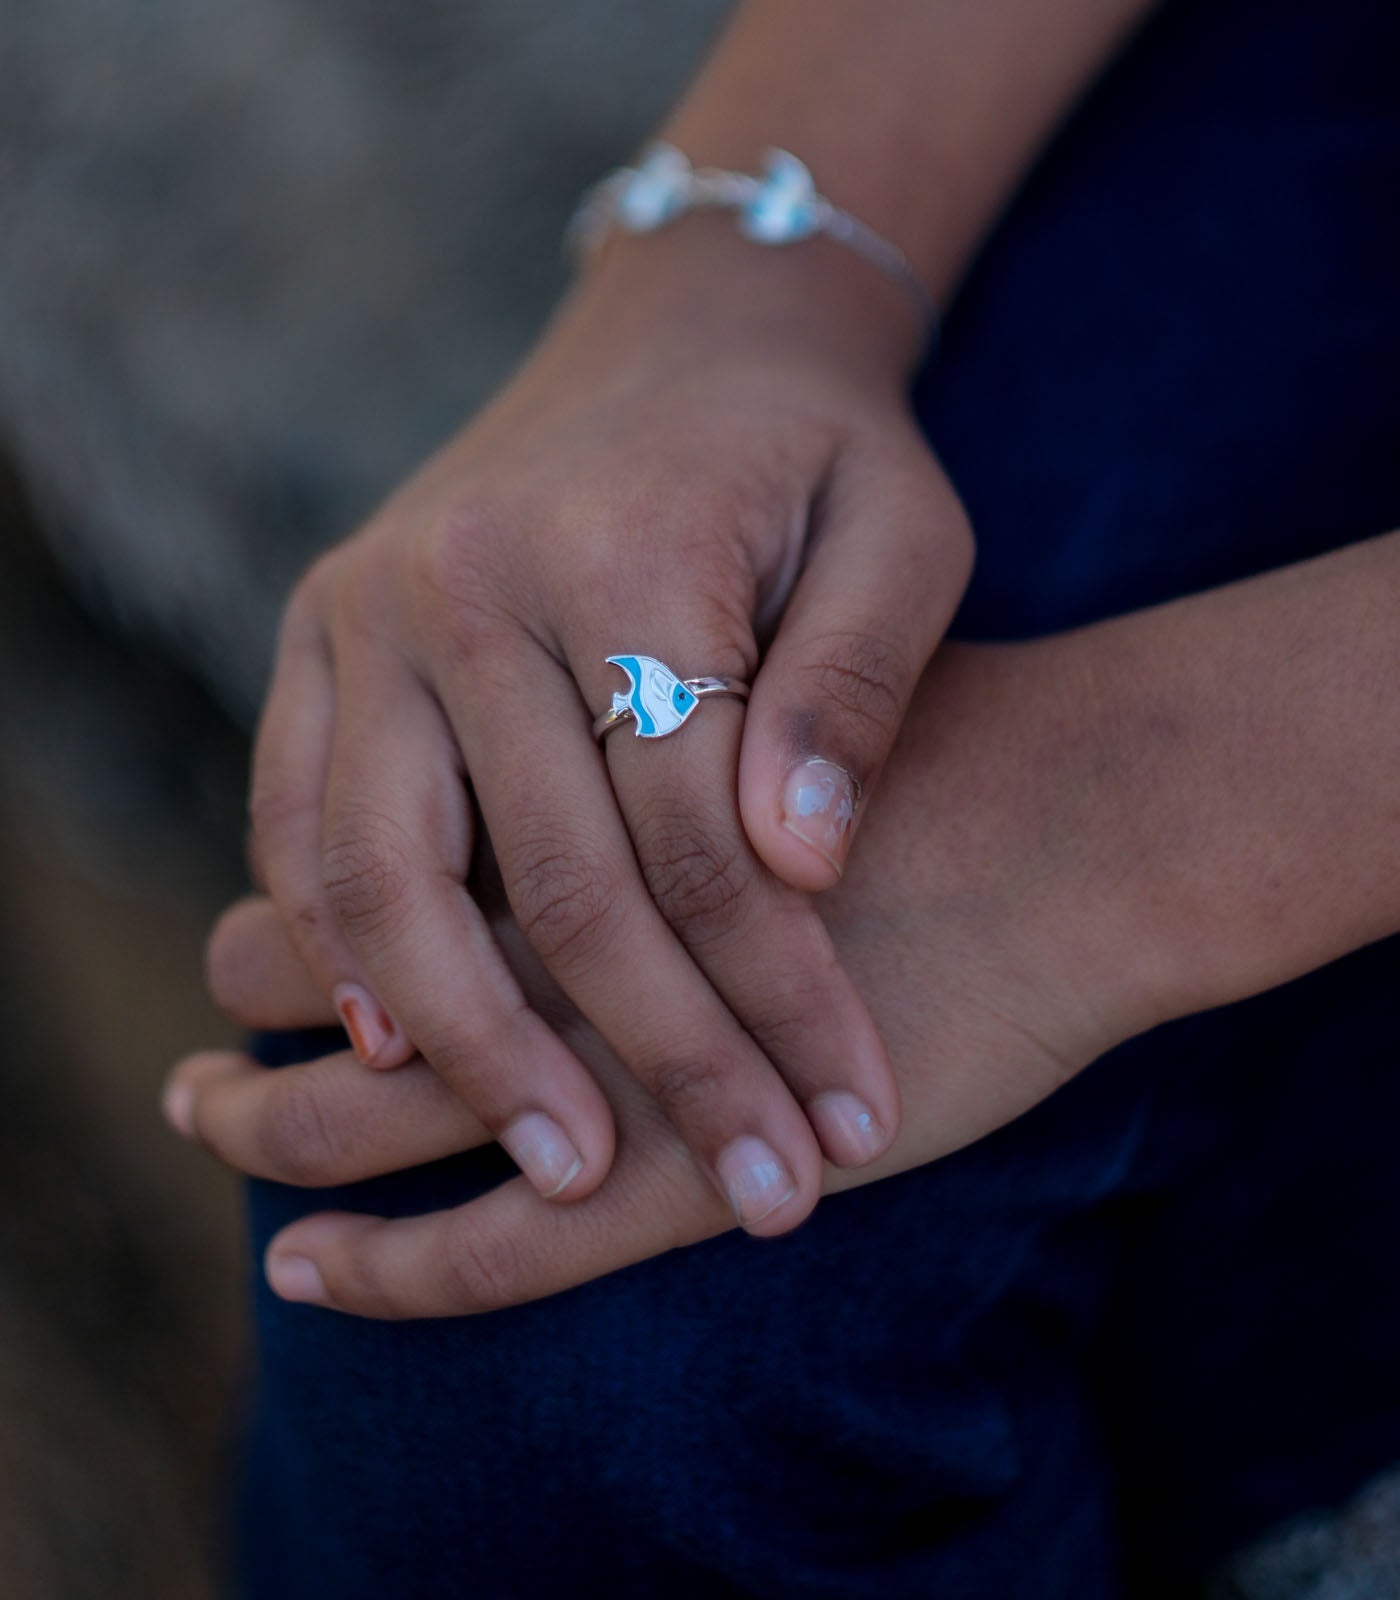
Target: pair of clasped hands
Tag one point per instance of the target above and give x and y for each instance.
(658, 993)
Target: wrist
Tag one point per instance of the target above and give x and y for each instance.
(700, 281)
(1249, 732)
(995, 853)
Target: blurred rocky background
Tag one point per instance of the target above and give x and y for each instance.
(255, 261)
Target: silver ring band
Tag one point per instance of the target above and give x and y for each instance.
(652, 701)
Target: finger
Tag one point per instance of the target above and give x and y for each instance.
(761, 944)
(256, 974)
(889, 564)
(397, 842)
(320, 1122)
(502, 1249)
(291, 757)
(574, 887)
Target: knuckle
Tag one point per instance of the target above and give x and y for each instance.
(797, 999)
(309, 595)
(599, 550)
(785, 1028)
(484, 1264)
(367, 876)
(276, 800)
(865, 676)
(358, 603)
(454, 579)
(682, 1084)
(227, 969)
(310, 922)
(278, 813)
(562, 901)
(295, 1138)
(253, 859)
(719, 607)
(466, 1051)
(655, 554)
(359, 1282)
(696, 878)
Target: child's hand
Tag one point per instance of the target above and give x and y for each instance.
(1078, 838)
(709, 439)
(987, 920)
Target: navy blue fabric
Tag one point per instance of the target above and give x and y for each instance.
(1087, 1356)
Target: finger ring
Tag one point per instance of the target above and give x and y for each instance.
(656, 699)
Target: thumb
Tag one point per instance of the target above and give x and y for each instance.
(890, 557)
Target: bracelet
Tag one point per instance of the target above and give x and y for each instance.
(780, 207)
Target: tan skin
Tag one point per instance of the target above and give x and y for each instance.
(1078, 838)
(710, 450)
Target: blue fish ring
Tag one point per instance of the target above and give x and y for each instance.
(656, 699)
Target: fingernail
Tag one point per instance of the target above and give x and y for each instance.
(847, 1128)
(296, 1278)
(367, 1022)
(756, 1180)
(819, 801)
(543, 1152)
(177, 1105)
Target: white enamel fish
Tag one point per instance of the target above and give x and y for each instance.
(656, 697)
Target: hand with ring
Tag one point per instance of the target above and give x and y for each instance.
(708, 460)
(984, 879)
(1031, 880)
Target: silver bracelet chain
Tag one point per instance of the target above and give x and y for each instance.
(780, 206)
